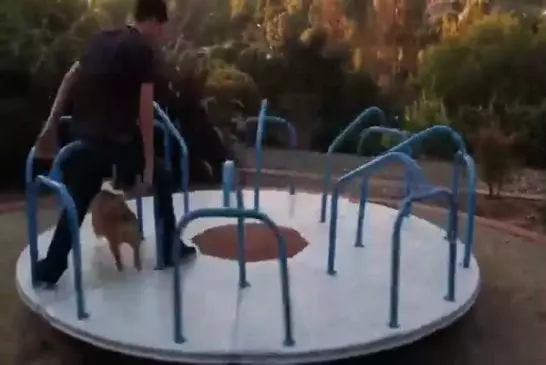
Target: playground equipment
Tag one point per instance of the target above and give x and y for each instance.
(330, 296)
(261, 121)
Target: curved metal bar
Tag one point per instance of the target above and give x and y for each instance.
(184, 158)
(228, 184)
(166, 144)
(427, 133)
(228, 178)
(355, 124)
(395, 250)
(471, 180)
(56, 168)
(74, 226)
(364, 171)
(292, 137)
(401, 134)
(283, 265)
(470, 174)
(260, 130)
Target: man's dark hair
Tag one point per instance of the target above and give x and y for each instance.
(151, 10)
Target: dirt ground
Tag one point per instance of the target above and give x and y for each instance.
(505, 327)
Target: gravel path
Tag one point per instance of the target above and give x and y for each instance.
(527, 181)
(505, 327)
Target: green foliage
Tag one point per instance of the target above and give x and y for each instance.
(487, 60)
(495, 158)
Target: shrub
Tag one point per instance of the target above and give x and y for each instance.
(495, 157)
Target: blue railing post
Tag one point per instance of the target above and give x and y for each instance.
(283, 266)
(352, 127)
(452, 228)
(184, 156)
(471, 176)
(74, 227)
(471, 208)
(166, 144)
(228, 178)
(260, 131)
(361, 212)
(396, 249)
(31, 212)
(333, 230)
(395, 266)
(365, 171)
(292, 138)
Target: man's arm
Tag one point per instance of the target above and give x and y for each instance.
(62, 94)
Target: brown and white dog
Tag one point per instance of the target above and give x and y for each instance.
(113, 220)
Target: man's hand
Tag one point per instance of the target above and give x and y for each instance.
(46, 145)
(144, 185)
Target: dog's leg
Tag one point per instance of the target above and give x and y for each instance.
(115, 249)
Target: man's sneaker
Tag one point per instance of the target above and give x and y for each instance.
(187, 251)
(42, 279)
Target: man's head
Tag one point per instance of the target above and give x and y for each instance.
(150, 17)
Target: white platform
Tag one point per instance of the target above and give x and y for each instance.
(334, 317)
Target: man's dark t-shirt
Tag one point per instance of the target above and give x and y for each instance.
(106, 100)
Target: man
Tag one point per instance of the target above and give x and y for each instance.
(112, 92)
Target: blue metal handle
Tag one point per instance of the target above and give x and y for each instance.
(166, 144)
(228, 177)
(471, 180)
(470, 175)
(56, 168)
(260, 131)
(184, 158)
(292, 137)
(283, 265)
(395, 251)
(228, 183)
(364, 171)
(74, 226)
(351, 128)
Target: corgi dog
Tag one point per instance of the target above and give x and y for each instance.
(113, 220)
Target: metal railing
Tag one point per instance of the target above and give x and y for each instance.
(260, 131)
(356, 124)
(240, 213)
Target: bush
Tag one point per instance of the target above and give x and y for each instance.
(494, 155)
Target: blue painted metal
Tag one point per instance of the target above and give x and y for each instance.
(166, 144)
(228, 184)
(471, 181)
(365, 171)
(184, 154)
(228, 177)
(170, 130)
(283, 266)
(355, 124)
(471, 177)
(74, 226)
(260, 131)
(292, 138)
(56, 168)
(400, 134)
(361, 213)
(395, 252)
